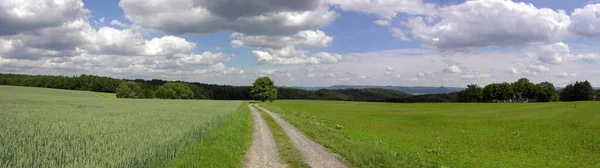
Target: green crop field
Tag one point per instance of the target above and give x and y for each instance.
(107, 95)
(452, 135)
(61, 128)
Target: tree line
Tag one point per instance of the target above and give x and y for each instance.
(525, 91)
(160, 89)
(519, 91)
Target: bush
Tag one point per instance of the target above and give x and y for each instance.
(129, 90)
(174, 91)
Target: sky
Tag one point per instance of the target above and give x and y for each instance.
(306, 43)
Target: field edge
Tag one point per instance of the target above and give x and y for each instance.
(223, 146)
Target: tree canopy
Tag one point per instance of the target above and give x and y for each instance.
(580, 91)
(129, 90)
(174, 91)
(264, 90)
(521, 90)
(473, 93)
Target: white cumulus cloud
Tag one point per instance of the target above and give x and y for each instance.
(485, 23)
(208, 16)
(452, 69)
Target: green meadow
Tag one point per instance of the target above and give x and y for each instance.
(452, 134)
(62, 128)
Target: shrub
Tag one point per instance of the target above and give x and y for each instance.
(174, 91)
(129, 90)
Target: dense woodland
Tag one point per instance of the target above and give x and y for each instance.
(519, 91)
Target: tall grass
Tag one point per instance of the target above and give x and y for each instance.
(56, 128)
(223, 146)
(451, 135)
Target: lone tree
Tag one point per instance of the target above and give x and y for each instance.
(129, 90)
(264, 90)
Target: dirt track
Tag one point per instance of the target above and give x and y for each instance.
(314, 154)
(263, 150)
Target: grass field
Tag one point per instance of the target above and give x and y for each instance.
(60, 128)
(452, 135)
(224, 146)
(107, 95)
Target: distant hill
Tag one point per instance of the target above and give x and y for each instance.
(366, 94)
(406, 89)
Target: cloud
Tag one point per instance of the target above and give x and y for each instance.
(478, 76)
(219, 69)
(389, 71)
(538, 68)
(589, 57)
(21, 16)
(512, 71)
(292, 56)
(585, 21)
(206, 16)
(266, 72)
(452, 69)
(206, 58)
(386, 9)
(382, 22)
(565, 75)
(551, 53)
(399, 33)
(74, 47)
(484, 23)
(284, 49)
(64, 40)
(118, 23)
(311, 38)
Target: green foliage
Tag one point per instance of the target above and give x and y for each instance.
(129, 90)
(174, 91)
(473, 93)
(519, 90)
(62, 128)
(264, 90)
(524, 88)
(82, 82)
(451, 134)
(497, 91)
(546, 92)
(580, 91)
(199, 92)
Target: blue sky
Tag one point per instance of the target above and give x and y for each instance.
(307, 43)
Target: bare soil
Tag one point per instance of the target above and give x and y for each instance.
(314, 154)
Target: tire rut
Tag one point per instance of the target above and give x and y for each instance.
(314, 154)
(263, 149)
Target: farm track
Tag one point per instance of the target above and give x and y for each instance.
(263, 149)
(314, 154)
